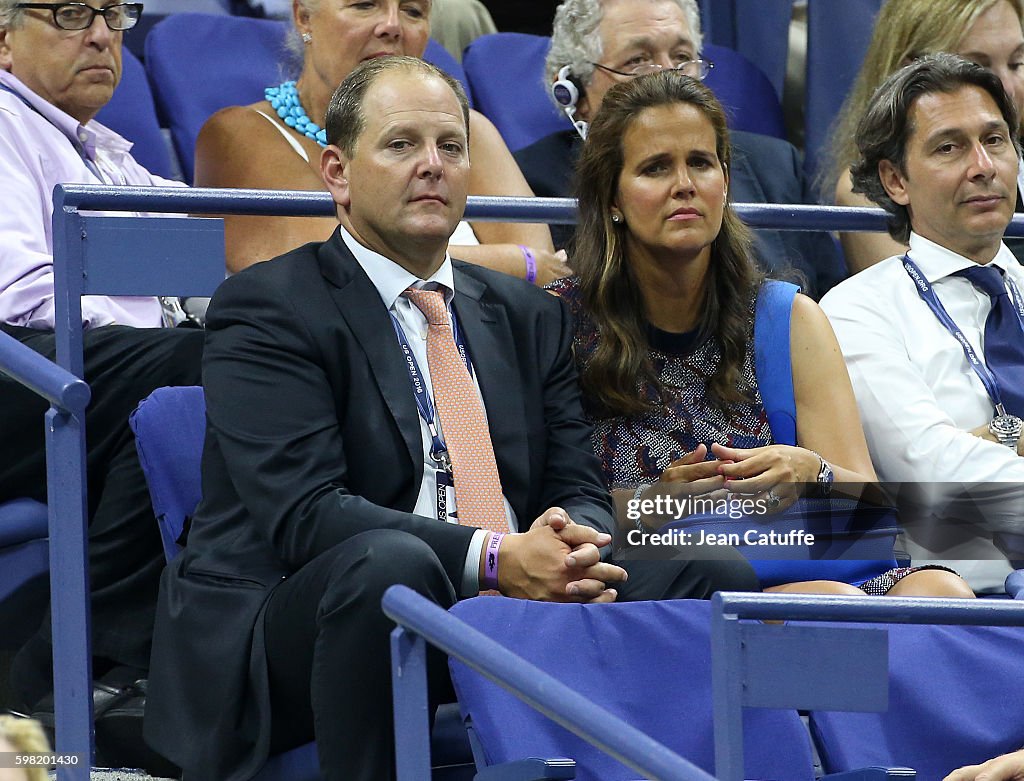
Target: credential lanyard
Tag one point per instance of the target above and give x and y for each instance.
(927, 293)
(89, 163)
(424, 402)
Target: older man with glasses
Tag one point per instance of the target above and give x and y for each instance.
(59, 65)
(598, 43)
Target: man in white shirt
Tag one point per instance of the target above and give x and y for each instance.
(59, 65)
(938, 151)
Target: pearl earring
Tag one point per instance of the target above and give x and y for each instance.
(307, 37)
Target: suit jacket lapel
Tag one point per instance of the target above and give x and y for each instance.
(359, 304)
(488, 336)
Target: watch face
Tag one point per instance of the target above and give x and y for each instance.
(1006, 426)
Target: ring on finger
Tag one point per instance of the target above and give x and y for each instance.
(772, 499)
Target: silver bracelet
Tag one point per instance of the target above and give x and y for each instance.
(639, 524)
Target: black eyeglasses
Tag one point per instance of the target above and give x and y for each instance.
(79, 16)
(697, 69)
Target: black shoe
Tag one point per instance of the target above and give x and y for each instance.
(104, 697)
(119, 738)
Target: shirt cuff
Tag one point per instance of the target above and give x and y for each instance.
(471, 572)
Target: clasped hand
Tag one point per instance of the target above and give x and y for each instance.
(557, 560)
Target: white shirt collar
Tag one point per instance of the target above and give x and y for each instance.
(937, 262)
(390, 279)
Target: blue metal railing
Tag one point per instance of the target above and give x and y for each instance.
(65, 431)
(727, 639)
(509, 209)
(537, 688)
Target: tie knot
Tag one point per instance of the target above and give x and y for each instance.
(988, 279)
(430, 303)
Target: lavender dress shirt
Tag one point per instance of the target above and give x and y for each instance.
(39, 148)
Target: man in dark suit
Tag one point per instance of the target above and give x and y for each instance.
(325, 471)
(597, 43)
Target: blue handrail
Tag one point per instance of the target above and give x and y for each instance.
(893, 610)
(43, 377)
(510, 209)
(538, 689)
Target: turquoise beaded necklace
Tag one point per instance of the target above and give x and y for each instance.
(285, 101)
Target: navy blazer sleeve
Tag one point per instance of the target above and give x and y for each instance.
(278, 410)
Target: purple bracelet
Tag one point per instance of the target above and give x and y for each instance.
(531, 264)
(491, 561)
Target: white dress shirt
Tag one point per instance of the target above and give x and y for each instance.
(391, 280)
(918, 396)
(41, 146)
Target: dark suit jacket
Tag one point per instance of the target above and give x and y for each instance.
(313, 436)
(764, 170)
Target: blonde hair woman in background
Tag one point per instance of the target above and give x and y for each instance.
(989, 32)
(255, 146)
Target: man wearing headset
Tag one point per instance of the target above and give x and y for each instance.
(598, 43)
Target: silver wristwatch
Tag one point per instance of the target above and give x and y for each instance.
(1007, 430)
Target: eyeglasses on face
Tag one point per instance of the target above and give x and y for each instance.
(79, 16)
(697, 69)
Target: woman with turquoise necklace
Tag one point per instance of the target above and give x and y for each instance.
(276, 143)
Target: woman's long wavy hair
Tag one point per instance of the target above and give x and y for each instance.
(611, 293)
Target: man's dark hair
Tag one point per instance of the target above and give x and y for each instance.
(345, 119)
(885, 128)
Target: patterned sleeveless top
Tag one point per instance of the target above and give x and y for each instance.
(636, 450)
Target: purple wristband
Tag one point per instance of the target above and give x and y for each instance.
(531, 264)
(491, 561)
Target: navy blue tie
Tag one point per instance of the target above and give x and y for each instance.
(1004, 337)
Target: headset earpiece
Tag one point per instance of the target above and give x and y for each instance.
(567, 95)
(564, 91)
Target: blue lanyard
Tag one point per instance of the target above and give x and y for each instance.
(89, 163)
(424, 402)
(927, 293)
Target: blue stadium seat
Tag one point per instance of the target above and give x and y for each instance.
(956, 697)
(647, 662)
(132, 113)
(506, 76)
(169, 427)
(838, 34)
(757, 29)
(201, 63)
(924, 683)
(24, 564)
(749, 99)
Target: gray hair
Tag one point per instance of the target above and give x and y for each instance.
(10, 16)
(885, 127)
(576, 40)
(345, 118)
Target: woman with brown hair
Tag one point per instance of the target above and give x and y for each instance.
(665, 305)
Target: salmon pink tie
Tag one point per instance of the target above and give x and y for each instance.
(478, 495)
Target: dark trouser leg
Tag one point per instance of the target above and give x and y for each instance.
(694, 577)
(122, 366)
(328, 654)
